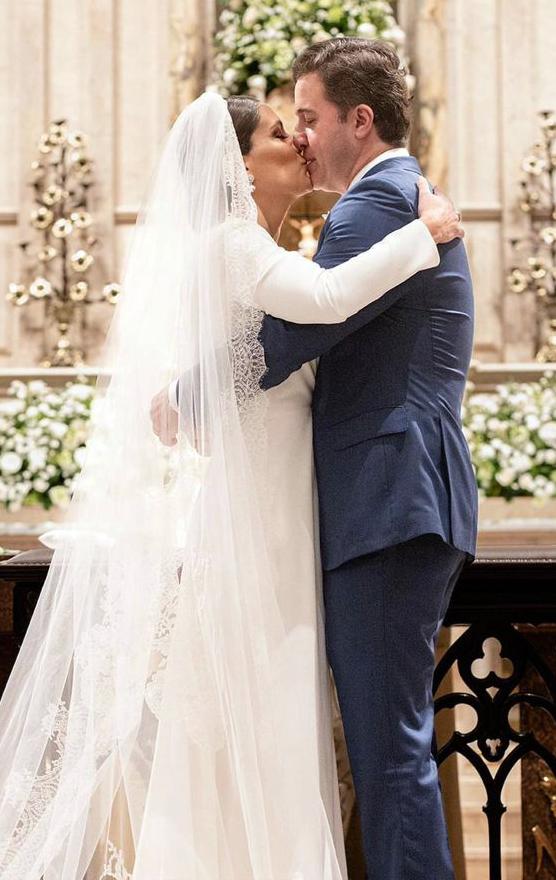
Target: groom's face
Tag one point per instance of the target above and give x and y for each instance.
(325, 140)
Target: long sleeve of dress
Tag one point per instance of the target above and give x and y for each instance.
(298, 290)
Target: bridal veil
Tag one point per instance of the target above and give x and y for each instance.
(153, 726)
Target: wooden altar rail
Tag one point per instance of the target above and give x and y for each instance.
(508, 594)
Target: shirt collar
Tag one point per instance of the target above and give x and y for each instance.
(388, 154)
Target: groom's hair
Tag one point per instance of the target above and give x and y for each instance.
(357, 71)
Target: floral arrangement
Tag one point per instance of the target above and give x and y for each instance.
(512, 437)
(43, 431)
(42, 442)
(258, 41)
(55, 271)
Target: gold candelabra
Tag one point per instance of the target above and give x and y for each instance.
(538, 203)
(56, 271)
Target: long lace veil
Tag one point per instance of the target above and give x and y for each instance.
(154, 724)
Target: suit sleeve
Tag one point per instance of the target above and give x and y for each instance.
(374, 208)
(299, 290)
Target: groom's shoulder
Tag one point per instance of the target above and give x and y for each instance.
(390, 184)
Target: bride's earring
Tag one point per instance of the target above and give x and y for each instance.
(251, 180)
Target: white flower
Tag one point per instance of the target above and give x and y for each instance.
(478, 422)
(229, 76)
(521, 462)
(40, 287)
(547, 433)
(526, 482)
(494, 425)
(79, 456)
(37, 458)
(367, 30)
(59, 496)
(37, 386)
(10, 463)
(486, 402)
(58, 429)
(505, 476)
(532, 421)
(40, 485)
(250, 17)
(394, 35)
(486, 452)
(80, 391)
(257, 85)
(11, 407)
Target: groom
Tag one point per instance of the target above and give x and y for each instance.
(397, 493)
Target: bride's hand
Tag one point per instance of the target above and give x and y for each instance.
(438, 214)
(164, 419)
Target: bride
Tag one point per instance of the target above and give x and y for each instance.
(168, 716)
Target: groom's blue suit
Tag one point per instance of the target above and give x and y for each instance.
(398, 511)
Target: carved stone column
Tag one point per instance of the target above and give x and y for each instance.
(425, 26)
(191, 23)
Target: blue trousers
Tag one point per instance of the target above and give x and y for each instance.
(383, 614)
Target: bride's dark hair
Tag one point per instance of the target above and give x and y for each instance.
(244, 110)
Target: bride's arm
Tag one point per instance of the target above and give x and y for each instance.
(292, 288)
(299, 290)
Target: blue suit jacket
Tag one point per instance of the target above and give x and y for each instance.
(391, 459)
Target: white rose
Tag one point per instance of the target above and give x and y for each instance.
(58, 429)
(298, 44)
(11, 407)
(494, 424)
(250, 17)
(10, 463)
(40, 485)
(505, 476)
(367, 30)
(37, 458)
(394, 35)
(37, 386)
(486, 402)
(59, 496)
(532, 421)
(521, 463)
(526, 482)
(547, 433)
(79, 456)
(80, 391)
(229, 76)
(486, 452)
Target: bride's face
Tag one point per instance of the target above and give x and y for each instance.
(278, 168)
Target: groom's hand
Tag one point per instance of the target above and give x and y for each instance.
(164, 419)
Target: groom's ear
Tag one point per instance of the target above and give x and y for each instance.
(363, 121)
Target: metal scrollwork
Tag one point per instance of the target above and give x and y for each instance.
(493, 696)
